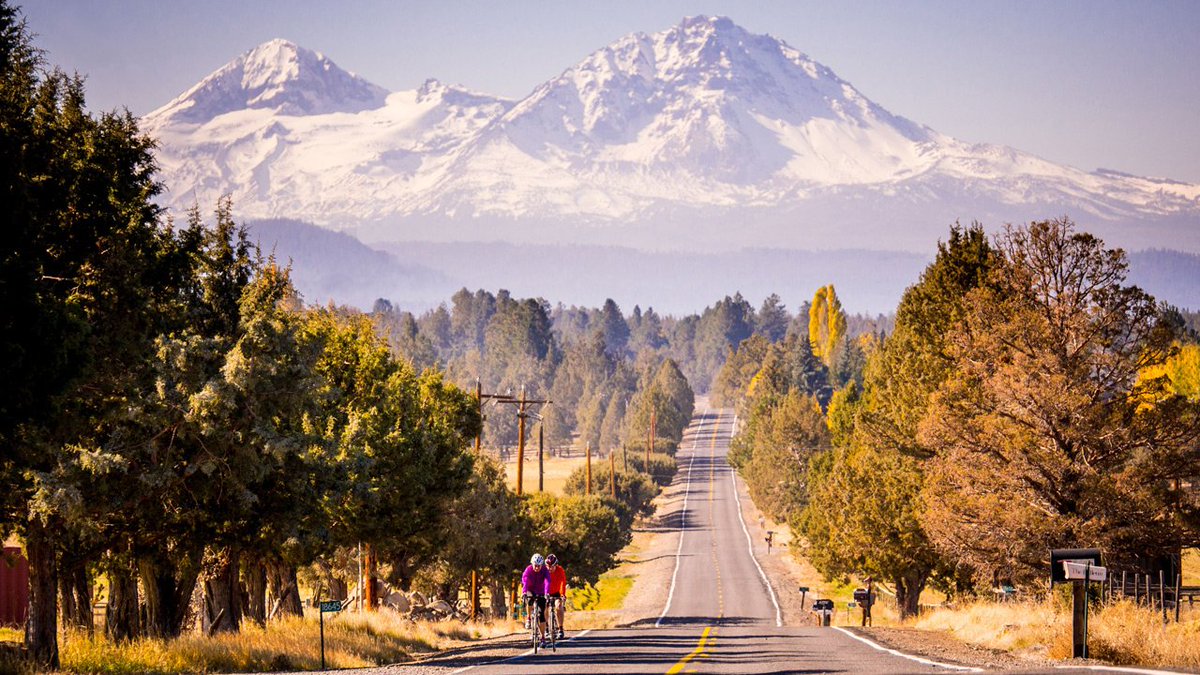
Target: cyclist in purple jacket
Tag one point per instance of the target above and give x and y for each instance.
(535, 585)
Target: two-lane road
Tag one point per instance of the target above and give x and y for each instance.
(720, 615)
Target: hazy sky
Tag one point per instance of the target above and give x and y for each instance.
(1091, 84)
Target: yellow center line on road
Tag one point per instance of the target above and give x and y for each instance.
(678, 667)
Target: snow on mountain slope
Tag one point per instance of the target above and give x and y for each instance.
(329, 167)
(277, 75)
(702, 118)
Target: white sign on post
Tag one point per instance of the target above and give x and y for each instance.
(1084, 572)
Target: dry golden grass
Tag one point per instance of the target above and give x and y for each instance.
(1122, 633)
(1135, 636)
(351, 641)
(1024, 628)
(556, 471)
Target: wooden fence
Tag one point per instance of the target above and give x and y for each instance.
(1148, 590)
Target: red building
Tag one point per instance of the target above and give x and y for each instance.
(14, 587)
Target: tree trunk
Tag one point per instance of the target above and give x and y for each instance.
(168, 589)
(41, 628)
(222, 602)
(284, 590)
(121, 618)
(75, 590)
(255, 574)
(370, 597)
(908, 592)
(499, 601)
(337, 588)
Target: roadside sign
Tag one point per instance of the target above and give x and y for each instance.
(326, 606)
(1083, 571)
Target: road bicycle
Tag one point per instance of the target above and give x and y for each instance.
(534, 626)
(555, 601)
(552, 623)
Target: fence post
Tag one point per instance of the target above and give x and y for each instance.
(1162, 594)
(1178, 583)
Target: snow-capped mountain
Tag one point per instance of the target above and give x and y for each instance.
(663, 140)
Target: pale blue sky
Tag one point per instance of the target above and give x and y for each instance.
(1101, 83)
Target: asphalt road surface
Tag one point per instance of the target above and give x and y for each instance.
(721, 615)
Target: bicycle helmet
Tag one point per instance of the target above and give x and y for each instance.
(551, 559)
(537, 560)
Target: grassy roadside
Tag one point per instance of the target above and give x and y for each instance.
(1122, 634)
(351, 641)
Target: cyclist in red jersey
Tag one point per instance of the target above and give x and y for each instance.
(558, 588)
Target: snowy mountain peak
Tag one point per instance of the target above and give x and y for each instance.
(277, 75)
(701, 120)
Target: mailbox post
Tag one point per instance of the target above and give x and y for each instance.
(823, 610)
(1080, 566)
(864, 598)
(327, 606)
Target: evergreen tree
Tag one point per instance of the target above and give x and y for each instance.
(614, 328)
(773, 319)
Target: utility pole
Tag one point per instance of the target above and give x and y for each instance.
(541, 459)
(589, 468)
(650, 440)
(479, 402)
(479, 397)
(522, 404)
(521, 444)
(612, 472)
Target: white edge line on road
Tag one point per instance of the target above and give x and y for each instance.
(750, 548)
(682, 517)
(1121, 669)
(513, 658)
(918, 659)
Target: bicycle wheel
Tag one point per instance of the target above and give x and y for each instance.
(533, 626)
(552, 624)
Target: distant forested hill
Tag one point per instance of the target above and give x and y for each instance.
(420, 275)
(329, 265)
(1171, 276)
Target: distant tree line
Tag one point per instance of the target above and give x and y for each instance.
(1027, 399)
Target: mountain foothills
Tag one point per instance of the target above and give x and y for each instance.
(703, 135)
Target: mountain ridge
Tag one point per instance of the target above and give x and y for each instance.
(700, 121)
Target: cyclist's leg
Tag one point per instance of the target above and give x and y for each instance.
(540, 604)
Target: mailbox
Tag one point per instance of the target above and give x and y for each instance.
(862, 596)
(1058, 556)
(823, 609)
